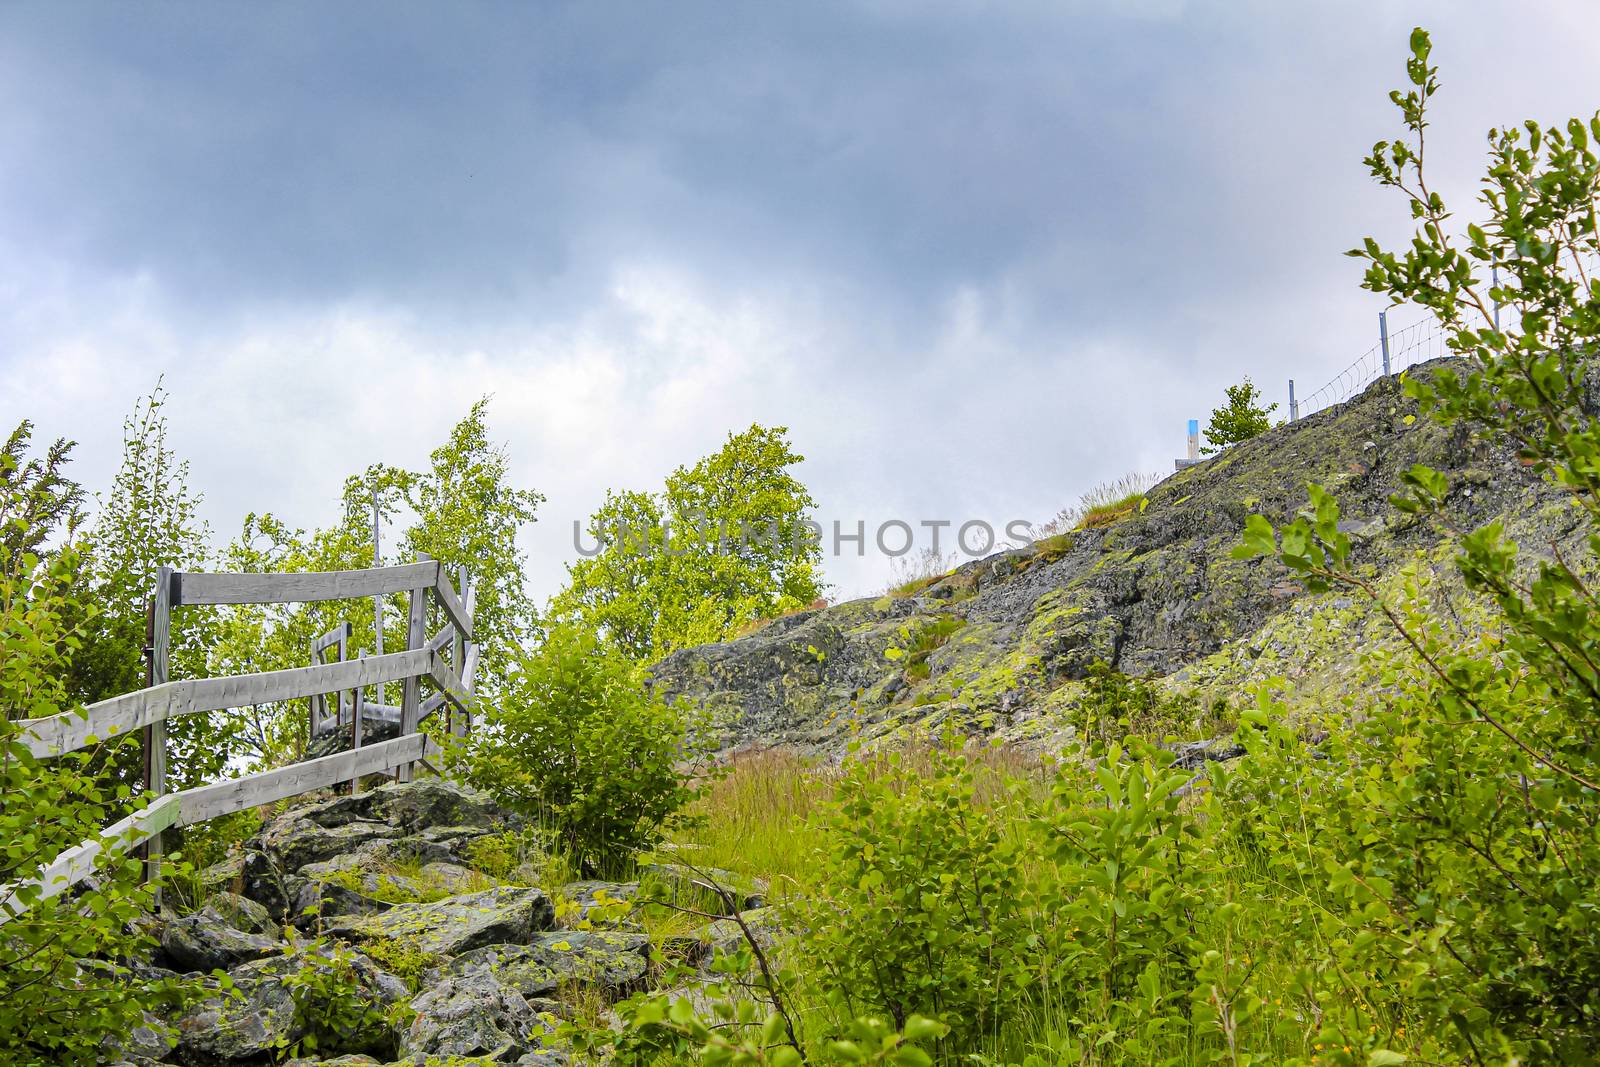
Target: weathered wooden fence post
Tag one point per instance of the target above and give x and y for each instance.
(458, 658)
(411, 698)
(357, 710)
(155, 735)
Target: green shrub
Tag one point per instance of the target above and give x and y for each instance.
(921, 905)
(581, 745)
(1115, 706)
(498, 855)
(64, 991)
(1455, 829)
(400, 958)
(924, 639)
(335, 1010)
(1122, 905)
(1240, 419)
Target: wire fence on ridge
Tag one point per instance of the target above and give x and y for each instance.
(1395, 351)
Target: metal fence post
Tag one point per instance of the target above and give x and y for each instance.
(1383, 336)
(1294, 405)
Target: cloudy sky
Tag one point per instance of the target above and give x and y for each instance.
(977, 256)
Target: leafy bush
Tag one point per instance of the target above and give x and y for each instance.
(1240, 419)
(1457, 825)
(63, 994)
(1115, 706)
(581, 745)
(921, 905)
(725, 543)
(337, 1008)
(1121, 904)
(923, 640)
(401, 958)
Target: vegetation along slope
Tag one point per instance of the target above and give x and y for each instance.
(1292, 758)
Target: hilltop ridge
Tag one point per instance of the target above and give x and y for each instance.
(1000, 645)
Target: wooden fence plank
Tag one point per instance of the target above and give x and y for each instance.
(411, 691)
(453, 608)
(155, 735)
(193, 587)
(450, 686)
(71, 731)
(333, 637)
(210, 801)
(78, 862)
(442, 639)
(242, 690)
(106, 719)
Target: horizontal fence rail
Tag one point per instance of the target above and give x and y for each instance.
(197, 587)
(108, 719)
(448, 662)
(211, 801)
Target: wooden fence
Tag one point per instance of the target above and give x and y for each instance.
(448, 663)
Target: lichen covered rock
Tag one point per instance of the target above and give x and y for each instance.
(612, 961)
(471, 1015)
(455, 925)
(206, 941)
(1000, 645)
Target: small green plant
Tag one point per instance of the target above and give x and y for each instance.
(335, 1010)
(925, 638)
(1240, 419)
(1115, 706)
(580, 745)
(921, 905)
(498, 855)
(401, 958)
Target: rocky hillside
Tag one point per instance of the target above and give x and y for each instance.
(403, 924)
(1000, 644)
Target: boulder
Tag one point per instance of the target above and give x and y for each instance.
(433, 802)
(226, 875)
(472, 1015)
(259, 1020)
(320, 900)
(206, 941)
(149, 1042)
(248, 1026)
(615, 962)
(388, 851)
(457, 839)
(268, 884)
(241, 913)
(455, 925)
(298, 841)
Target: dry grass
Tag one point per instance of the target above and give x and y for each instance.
(1100, 506)
(913, 574)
